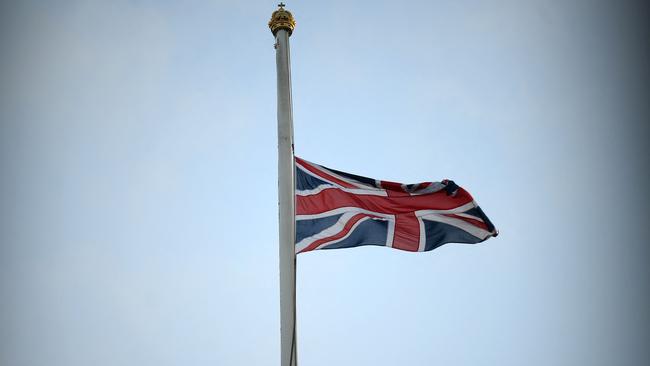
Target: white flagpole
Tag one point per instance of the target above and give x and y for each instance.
(282, 25)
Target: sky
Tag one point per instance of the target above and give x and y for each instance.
(138, 152)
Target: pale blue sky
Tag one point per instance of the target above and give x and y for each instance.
(139, 202)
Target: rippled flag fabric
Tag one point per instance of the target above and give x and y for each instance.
(341, 210)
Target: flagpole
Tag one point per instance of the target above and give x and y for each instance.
(282, 25)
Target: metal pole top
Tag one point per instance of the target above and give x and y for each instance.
(282, 19)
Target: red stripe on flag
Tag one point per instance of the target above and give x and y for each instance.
(333, 198)
(394, 189)
(474, 222)
(323, 174)
(407, 232)
(346, 229)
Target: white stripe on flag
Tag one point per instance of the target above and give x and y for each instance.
(423, 236)
(322, 187)
(463, 225)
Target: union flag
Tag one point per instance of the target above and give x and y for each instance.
(341, 210)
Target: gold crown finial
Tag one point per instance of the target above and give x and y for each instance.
(282, 19)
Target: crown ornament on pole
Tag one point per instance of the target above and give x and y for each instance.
(282, 19)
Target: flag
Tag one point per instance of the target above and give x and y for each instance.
(341, 210)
